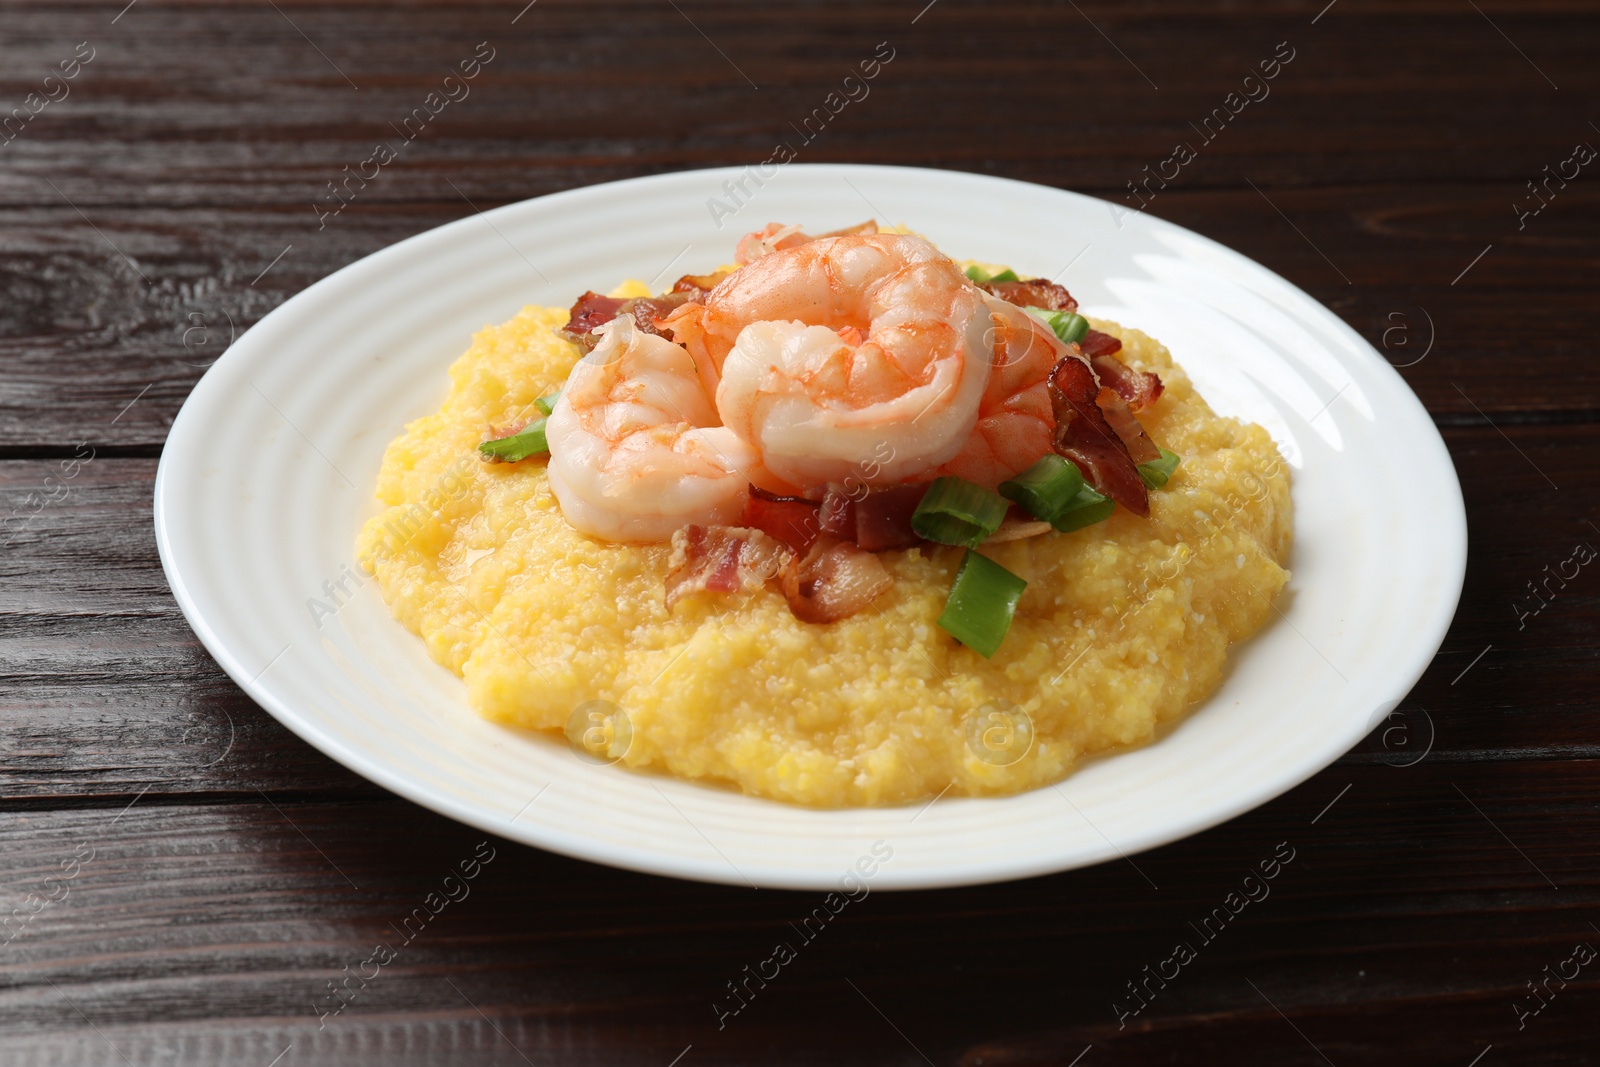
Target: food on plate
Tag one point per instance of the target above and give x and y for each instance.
(842, 523)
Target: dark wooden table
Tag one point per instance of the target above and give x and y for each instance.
(185, 879)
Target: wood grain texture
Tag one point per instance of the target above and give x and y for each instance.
(241, 108)
(223, 873)
(246, 911)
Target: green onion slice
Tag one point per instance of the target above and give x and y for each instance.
(547, 404)
(1072, 327)
(1068, 326)
(979, 275)
(1045, 488)
(982, 601)
(1085, 509)
(957, 512)
(1157, 471)
(529, 441)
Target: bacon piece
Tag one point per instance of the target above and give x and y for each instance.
(1140, 448)
(592, 310)
(703, 283)
(1139, 388)
(1084, 436)
(835, 579)
(1034, 293)
(1094, 343)
(838, 516)
(723, 559)
(832, 580)
(791, 519)
(883, 517)
(875, 519)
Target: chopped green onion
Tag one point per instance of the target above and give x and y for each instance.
(982, 601)
(1046, 487)
(1085, 509)
(1067, 326)
(979, 275)
(954, 511)
(519, 446)
(1157, 471)
(1071, 328)
(547, 404)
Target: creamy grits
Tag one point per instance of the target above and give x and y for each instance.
(1123, 627)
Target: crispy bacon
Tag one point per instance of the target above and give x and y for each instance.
(703, 283)
(830, 581)
(1035, 293)
(1095, 343)
(791, 519)
(1139, 388)
(883, 517)
(833, 580)
(1084, 436)
(723, 559)
(592, 310)
(875, 519)
(1140, 448)
(838, 515)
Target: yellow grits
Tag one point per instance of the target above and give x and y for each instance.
(1123, 627)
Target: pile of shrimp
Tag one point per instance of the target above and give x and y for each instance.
(865, 357)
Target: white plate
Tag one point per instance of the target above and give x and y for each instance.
(268, 474)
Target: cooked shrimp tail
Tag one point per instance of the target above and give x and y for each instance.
(862, 356)
(636, 448)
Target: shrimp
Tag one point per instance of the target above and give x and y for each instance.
(776, 237)
(829, 356)
(1016, 420)
(636, 449)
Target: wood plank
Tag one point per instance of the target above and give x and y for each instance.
(255, 115)
(91, 642)
(230, 921)
(93, 707)
(76, 351)
(104, 685)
